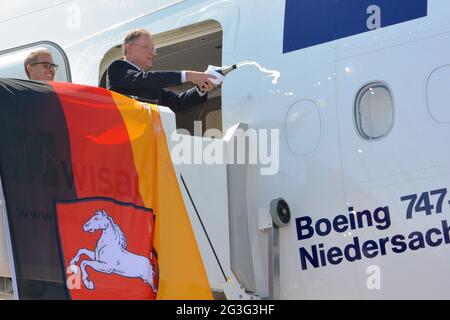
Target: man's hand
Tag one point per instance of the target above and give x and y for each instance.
(201, 79)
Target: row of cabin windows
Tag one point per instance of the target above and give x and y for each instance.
(373, 110)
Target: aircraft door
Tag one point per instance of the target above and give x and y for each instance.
(383, 114)
(11, 61)
(392, 146)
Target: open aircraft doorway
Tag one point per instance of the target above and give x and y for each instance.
(192, 47)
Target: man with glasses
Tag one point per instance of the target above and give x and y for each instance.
(131, 77)
(39, 65)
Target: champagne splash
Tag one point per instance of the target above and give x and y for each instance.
(272, 73)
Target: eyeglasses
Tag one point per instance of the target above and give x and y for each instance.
(152, 50)
(47, 65)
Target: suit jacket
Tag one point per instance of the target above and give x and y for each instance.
(124, 78)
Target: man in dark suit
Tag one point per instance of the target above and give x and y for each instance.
(130, 76)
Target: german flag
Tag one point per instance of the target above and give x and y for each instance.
(93, 202)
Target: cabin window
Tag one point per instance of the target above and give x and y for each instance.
(374, 111)
(11, 61)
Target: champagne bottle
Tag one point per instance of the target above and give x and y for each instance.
(227, 69)
(219, 72)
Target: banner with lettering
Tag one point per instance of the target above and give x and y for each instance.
(92, 199)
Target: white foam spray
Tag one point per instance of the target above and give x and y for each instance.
(272, 73)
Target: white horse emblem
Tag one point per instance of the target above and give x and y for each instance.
(110, 255)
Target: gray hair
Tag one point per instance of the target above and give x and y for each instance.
(33, 58)
(131, 37)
